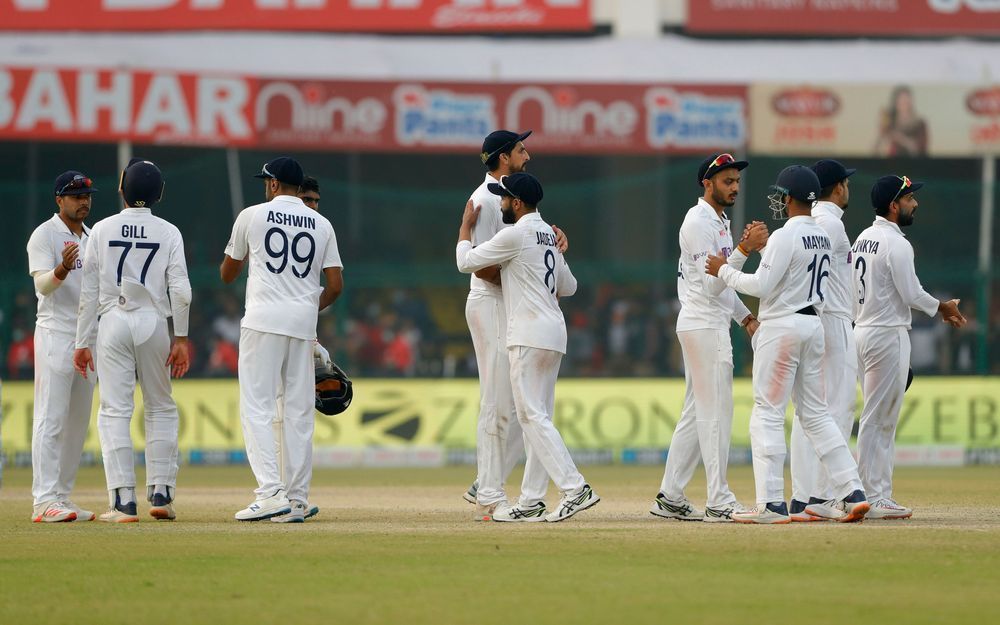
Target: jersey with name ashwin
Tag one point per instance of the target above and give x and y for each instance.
(837, 285)
(535, 276)
(57, 311)
(134, 259)
(288, 245)
(792, 270)
(706, 302)
(489, 223)
(886, 286)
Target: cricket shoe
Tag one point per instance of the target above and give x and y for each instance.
(311, 511)
(798, 514)
(296, 515)
(571, 504)
(680, 509)
(485, 512)
(850, 509)
(770, 514)
(470, 495)
(265, 508)
(161, 508)
(53, 512)
(120, 513)
(724, 514)
(81, 514)
(889, 510)
(520, 513)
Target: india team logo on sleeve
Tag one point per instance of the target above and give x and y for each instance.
(442, 117)
(693, 120)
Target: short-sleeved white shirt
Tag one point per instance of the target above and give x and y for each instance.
(288, 245)
(57, 310)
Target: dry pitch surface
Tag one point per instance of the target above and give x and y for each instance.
(398, 546)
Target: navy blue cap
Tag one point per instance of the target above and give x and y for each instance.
(830, 172)
(283, 169)
(141, 183)
(889, 188)
(73, 182)
(498, 140)
(521, 185)
(798, 181)
(716, 163)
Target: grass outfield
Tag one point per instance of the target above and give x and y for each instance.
(398, 546)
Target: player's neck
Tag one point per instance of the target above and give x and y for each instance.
(76, 227)
(719, 210)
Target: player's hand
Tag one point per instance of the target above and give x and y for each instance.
(70, 254)
(562, 243)
(713, 264)
(755, 236)
(179, 359)
(321, 356)
(471, 214)
(83, 360)
(751, 326)
(950, 313)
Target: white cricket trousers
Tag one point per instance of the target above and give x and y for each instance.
(271, 365)
(533, 374)
(706, 424)
(63, 400)
(499, 438)
(788, 364)
(130, 345)
(840, 372)
(884, 355)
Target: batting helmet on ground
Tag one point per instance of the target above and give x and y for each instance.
(334, 391)
(141, 183)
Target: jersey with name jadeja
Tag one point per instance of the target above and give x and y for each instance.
(134, 259)
(535, 276)
(792, 271)
(489, 223)
(287, 245)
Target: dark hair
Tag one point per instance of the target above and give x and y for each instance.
(826, 192)
(883, 212)
(309, 184)
(494, 160)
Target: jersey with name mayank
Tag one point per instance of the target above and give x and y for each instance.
(792, 270)
(288, 245)
(535, 275)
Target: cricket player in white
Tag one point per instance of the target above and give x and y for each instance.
(134, 277)
(886, 288)
(62, 398)
(288, 246)
(535, 276)
(788, 353)
(499, 439)
(708, 307)
(810, 485)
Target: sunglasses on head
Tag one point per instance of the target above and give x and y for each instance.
(78, 182)
(906, 183)
(722, 159)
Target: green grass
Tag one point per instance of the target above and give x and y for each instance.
(399, 546)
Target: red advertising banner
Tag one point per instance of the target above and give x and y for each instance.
(298, 15)
(885, 18)
(179, 108)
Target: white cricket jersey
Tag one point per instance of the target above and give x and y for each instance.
(134, 260)
(489, 223)
(792, 272)
(706, 302)
(535, 275)
(837, 286)
(886, 286)
(57, 310)
(289, 245)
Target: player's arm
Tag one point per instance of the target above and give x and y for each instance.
(697, 242)
(86, 322)
(566, 282)
(236, 250)
(179, 287)
(904, 277)
(333, 272)
(483, 230)
(773, 264)
(47, 278)
(501, 248)
(754, 239)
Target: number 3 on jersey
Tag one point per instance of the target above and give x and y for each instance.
(289, 247)
(550, 266)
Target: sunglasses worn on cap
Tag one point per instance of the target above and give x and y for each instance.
(78, 182)
(720, 160)
(906, 183)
